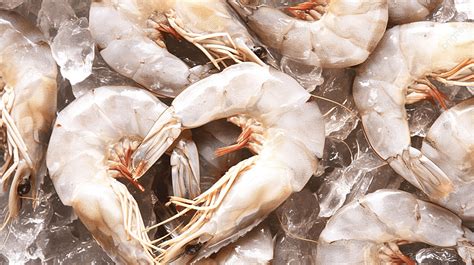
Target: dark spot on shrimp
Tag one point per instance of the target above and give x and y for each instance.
(24, 187)
(192, 249)
(260, 51)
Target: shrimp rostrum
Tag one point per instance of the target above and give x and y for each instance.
(283, 129)
(28, 106)
(329, 34)
(397, 74)
(134, 46)
(369, 230)
(91, 146)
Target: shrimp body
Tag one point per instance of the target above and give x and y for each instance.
(343, 36)
(279, 125)
(395, 75)
(450, 145)
(28, 104)
(368, 231)
(90, 146)
(133, 44)
(406, 11)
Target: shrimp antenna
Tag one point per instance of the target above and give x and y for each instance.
(293, 235)
(337, 103)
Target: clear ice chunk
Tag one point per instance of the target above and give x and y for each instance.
(52, 14)
(73, 50)
(72, 45)
(18, 236)
(345, 184)
(300, 225)
(307, 75)
(289, 250)
(445, 12)
(336, 103)
(420, 117)
(438, 256)
(298, 214)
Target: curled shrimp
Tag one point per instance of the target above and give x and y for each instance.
(406, 11)
(28, 106)
(369, 230)
(450, 145)
(338, 34)
(133, 44)
(91, 146)
(395, 75)
(278, 124)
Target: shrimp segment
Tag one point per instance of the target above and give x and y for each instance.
(133, 44)
(369, 230)
(28, 105)
(91, 146)
(343, 36)
(395, 75)
(286, 133)
(406, 11)
(450, 144)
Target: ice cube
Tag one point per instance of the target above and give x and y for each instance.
(73, 50)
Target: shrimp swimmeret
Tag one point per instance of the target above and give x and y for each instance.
(28, 107)
(396, 74)
(283, 129)
(91, 145)
(133, 44)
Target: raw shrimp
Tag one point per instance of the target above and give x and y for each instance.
(284, 130)
(90, 146)
(28, 106)
(406, 11)
(133, 44)
(369, 230)
(450, 145)
(256, 247)
(396, 74)
(344, 35)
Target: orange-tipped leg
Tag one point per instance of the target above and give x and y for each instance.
(120, 161)
(242, 141)
(310, 10)
(424, 89)
(167, 29)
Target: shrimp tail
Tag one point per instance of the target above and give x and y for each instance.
(185, 169)
(214, 248)
(465, 247)
(422, 172)
(161, 136)
(94, 204)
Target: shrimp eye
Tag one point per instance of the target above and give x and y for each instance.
(260, 51)
(192, 249)
(24, 187)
